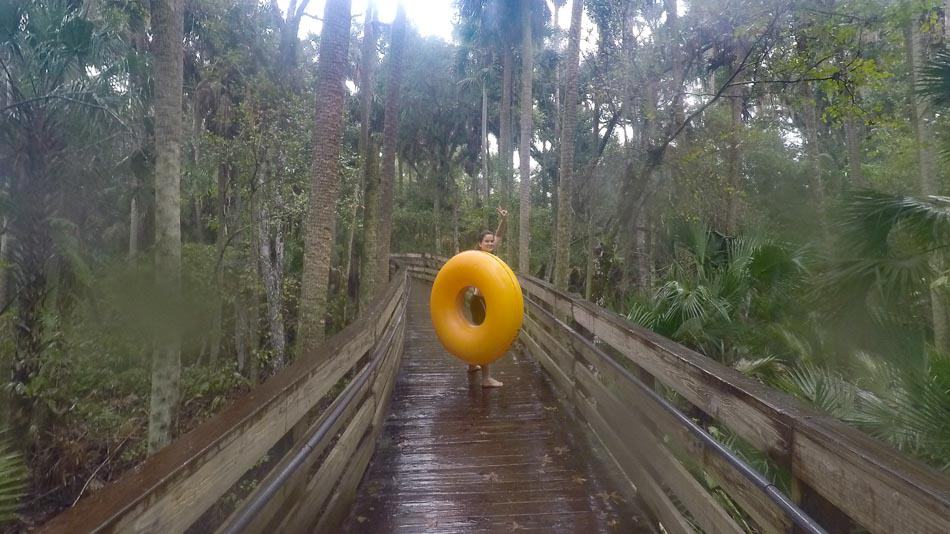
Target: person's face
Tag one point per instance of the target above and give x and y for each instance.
(487, 244)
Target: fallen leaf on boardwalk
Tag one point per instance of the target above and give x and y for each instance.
(491, 477)
(546, 460)
(483, 433)
(579, 479)
(551, 408)
(560, 450)
(361, 519)
(516, 526)
(432, 523)
(612, 523)
(610, 497)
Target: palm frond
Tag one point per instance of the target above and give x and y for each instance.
(13, 477)
(867, 219)
(823, 388)
(935, 79)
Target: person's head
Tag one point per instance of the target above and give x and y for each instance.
(486, 241)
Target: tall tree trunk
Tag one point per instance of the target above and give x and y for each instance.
(484, 151)
(504, 132)
(678, 63)
(562, 258)
(253, 294)
(853, 132)
(527, 130)
(167, 31)
(437, 213)
(352, 285)
(289, 41)
(923, 119)
(270, 262)
(591, 263)
(199, 226)
(320, 226)
(733, 159)
(368, 151)
(223, 177)
(455, 226)
(133, 229)
(810, 107)
(5, 260)
(387, 173)
(557, 74)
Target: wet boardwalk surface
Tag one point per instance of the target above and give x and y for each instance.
(454, 457)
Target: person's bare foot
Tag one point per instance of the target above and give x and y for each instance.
(490, 382)
(474, 368)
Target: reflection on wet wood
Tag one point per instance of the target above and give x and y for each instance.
(455, 457)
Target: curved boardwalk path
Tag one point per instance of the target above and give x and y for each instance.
(455, 457)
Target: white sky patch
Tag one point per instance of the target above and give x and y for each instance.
(429, 17)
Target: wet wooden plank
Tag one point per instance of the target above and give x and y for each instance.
(456, 457)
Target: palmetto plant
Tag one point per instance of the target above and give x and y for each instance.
(750, 304)
(65, 77)
(718, 290)
(935, 79)
(13, 476)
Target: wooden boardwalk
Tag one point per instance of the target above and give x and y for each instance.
(455, 457)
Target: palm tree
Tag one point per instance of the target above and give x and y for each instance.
(562, 257)
(390, 136)
(320, 225)
(527, 132)
(58, 73)
(167, 28)
(370, 174)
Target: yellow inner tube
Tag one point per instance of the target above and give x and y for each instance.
(504, 306)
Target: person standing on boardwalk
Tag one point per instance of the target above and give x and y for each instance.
(487, 242)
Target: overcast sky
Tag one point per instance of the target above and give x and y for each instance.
(429, 17)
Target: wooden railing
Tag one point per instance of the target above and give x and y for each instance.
(303, 436)
(613, 373)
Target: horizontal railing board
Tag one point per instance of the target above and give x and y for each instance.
(666, 469)
(642, 410)
(647, 488)
(293, 488)
(322, 484)
(178, 484)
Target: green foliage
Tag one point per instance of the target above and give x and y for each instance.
(13, 480)
(935, 79)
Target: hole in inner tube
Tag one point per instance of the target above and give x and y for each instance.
(471, 305)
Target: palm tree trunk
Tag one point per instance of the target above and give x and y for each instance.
(167, 30)
(810, 105)
(320, 225)
(923, 119)
(562, 258)
(133, 229)
(589, 274)
(387, 173)
(223, 176)
(437, 213)
(484, 151)
(504, 132)
(527, 130)
(5, 260)
(733, 160)
(368, 260)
